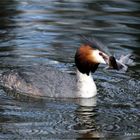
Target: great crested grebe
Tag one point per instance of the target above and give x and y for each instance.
(47, 82)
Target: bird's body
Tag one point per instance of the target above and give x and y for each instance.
(41, 81)
(48, 82)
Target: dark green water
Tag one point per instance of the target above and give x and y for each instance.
(34, 32)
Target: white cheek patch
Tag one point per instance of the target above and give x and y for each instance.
(98, 57)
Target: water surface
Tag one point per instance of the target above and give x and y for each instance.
(34, 32)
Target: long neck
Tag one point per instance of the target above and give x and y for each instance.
(86, 85)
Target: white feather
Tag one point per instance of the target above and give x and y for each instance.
(99, 58)
(86, 85)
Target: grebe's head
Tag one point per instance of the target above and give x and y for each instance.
(87, 59)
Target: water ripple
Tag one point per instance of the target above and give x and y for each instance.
(34, 32)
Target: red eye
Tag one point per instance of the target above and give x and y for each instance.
(100, 54)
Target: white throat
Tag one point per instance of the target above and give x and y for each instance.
(86, 85)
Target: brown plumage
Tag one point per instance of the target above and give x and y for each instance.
(84, 59)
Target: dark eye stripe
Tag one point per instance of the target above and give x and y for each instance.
(100, 53)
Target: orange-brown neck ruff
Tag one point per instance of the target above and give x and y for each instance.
(84, 59)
